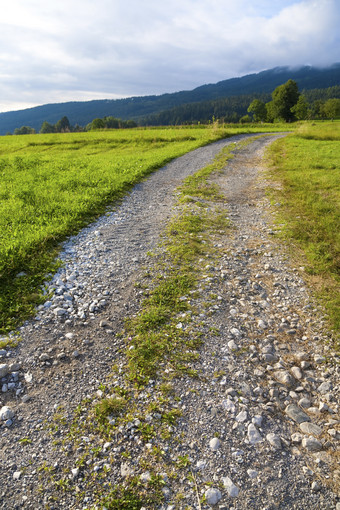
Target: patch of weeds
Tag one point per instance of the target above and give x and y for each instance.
(111, 406)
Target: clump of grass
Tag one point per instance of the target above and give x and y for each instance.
(307, 165)
(111, 406)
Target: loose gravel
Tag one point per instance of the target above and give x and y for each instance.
(259, 426)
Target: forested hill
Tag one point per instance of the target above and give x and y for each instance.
(138, 107)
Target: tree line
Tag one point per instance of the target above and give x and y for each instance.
(63, 126)
(312, 104)
(289, 105)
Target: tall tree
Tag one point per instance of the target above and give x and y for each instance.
(63, 125)
(300, 109)
(258, 109)
(284, 98)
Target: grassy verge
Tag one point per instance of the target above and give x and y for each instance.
(306, 164)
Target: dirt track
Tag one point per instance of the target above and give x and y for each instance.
(267, 387)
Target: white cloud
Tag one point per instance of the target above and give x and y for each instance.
(57, 51)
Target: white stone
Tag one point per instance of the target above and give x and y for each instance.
(6, 413)
(274, 440)
(4, 369)
(232, 490)
(75, 472)
(241, 417)
(145, 477)
(214, 443)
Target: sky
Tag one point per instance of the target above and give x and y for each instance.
(54, 51)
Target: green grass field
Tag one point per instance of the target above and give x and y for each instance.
(52, 185)
(307, 163)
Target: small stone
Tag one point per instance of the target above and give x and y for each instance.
(296, 438)
(296, 414)
(232, 490)
(145, 477)
(4, 370)
(212, 496)
(316, 487)
(201, 464)
(325, 387)
(284, 377)
(252, 473)
(310, 428)
(296, 371)
(214, 444)
(75, 472)
(304, 402)
(311, 444)
(6, 413)
(75, 354)
(232, 345)
(323, 408)
(257, 420)
(44, 357)
(253, 434)
(60, 312)
(16, 475)
(235, 332)
(274, 440)
(125, 470)
(241, 417)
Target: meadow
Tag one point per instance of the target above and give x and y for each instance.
(307, 164)
(54, 184)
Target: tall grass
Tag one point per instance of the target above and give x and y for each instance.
(307, 163)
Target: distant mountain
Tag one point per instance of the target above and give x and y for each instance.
(136, 108)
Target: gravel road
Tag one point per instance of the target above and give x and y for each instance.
(259, 427)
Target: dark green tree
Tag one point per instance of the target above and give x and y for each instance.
(258, 109)
(46, 127)
(284, 98)
(331, 108)
(300, 109)
(63, 125)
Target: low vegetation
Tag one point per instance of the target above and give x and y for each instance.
(306, 163)
(54, 184)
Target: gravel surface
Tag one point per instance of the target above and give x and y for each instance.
(260, 424)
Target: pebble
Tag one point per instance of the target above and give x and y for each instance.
(231, 488)
(253, 434)
(212, 496)
(4, 370)
(311, 444)
(214, 444)
(296, 414)
(6, 413)
(310, 428)
(274, 440)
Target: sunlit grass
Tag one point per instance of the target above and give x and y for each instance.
(307, 163)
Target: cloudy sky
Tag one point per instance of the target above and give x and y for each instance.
(73, 50)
